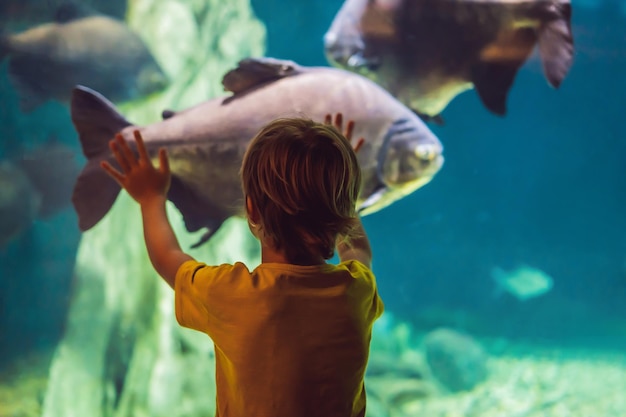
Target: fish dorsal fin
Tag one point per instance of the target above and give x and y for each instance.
(251, 72)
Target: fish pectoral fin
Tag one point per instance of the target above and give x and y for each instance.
(493, 76)
(197, 214)
(364, 207)
(206, 236)
(556, 46)
(252, 72)
(492, 81)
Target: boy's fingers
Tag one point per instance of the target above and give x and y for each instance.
(117, 176)
(328, 119)
(119, 156)
(164, 163)
(141, 147)
(358, 144)
(349, 129)
(339, 121)
(128, 153)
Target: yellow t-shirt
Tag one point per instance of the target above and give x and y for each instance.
(290, 341)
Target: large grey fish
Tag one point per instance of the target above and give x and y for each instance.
(206, 142)
(426, 52)
(36, 185)
(47, 61)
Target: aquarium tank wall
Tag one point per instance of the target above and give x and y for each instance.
(502, 269)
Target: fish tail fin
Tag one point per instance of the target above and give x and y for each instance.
(96, 120)
(94, 195)
(556, 44)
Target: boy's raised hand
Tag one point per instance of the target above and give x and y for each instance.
(338, 123)
(138, 177)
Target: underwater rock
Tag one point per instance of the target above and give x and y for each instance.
(455, 359)
(394, 393)
(385, 364)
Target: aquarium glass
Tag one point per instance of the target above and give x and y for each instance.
(503, 274)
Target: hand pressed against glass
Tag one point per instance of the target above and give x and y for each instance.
(139, 177)
(338, 123)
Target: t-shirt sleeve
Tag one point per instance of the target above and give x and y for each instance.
(202, 293)
(189, 304)
(370, 289)
(377, 303)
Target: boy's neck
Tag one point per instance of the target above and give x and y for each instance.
(271, 255)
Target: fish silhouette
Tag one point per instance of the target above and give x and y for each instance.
(46, 62)
(426, 52)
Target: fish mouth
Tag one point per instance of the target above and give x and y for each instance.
(409, 177)
(406, 172)
(361, 63)
(349, 55)
(399, 183)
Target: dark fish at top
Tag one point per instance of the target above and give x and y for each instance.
(47, 61)
(206, 142)
(426, 52)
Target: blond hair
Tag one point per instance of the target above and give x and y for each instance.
(303, 178)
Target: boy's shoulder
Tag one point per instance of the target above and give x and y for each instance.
(358, 270)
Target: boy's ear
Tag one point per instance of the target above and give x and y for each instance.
(253, 214)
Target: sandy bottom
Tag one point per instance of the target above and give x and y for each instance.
(526, 383)
(23, 385)
(559, 383)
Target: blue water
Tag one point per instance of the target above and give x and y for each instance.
(546, 186)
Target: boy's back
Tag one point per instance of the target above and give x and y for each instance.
(292, 337)
(290, 340)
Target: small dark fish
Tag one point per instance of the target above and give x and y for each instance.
(206, 142)
(426, 52)
(35, 186)
(47, 61)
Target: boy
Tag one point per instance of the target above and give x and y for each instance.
(292, 336)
